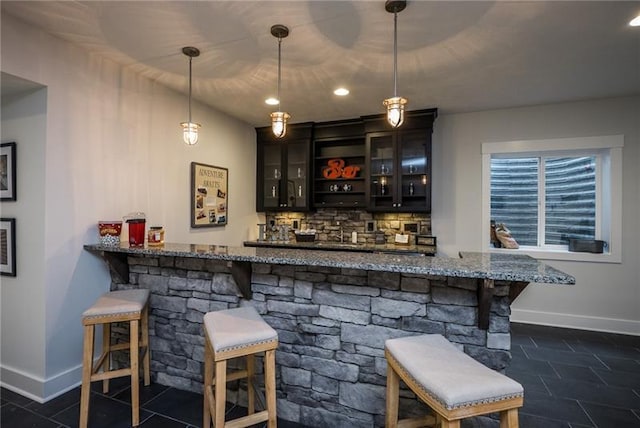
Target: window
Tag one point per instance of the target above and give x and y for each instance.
(545, 200)
(549, 191)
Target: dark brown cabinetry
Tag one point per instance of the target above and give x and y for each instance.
(357, 163)
(283, 169)
(339, 166)
(399, 161)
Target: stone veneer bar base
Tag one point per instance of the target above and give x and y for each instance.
(331, 322)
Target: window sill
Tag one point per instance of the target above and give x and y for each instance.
(547, 254)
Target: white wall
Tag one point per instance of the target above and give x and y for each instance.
(606, 296)
(22, 298)
(113, 145)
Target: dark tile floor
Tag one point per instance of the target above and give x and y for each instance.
(572, 379)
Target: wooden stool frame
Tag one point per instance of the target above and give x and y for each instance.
(508, 408)
(101, 370)
(216, 378)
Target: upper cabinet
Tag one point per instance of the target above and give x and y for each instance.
(358, 163)
(339, 165)
(283, 169)
(400, 171)
(399, 163)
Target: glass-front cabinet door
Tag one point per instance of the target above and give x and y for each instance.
(282, 179)
(382, 159)
(297, 175)
(415, 171)
(399, 171)
(272, 176)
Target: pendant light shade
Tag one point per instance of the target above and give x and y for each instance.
(279, 118)
(190, 129)
(190, 132)
(395, 105)
(395, 110)
(279, 123)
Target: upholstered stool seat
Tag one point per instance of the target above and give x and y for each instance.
(234, 333)
(449, 381)
(130, 306)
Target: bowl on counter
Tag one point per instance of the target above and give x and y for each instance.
(305, 235)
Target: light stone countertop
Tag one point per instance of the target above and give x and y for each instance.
(502, 267)
(424, 250)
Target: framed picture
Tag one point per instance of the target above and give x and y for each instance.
(8, 246)
(209, 196)
(410, 227)
(8, 171)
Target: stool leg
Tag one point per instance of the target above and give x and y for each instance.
(450, 424)
(509, 418)
(221, 392)
(208, 378)
(146, 361)
(270, 386)
(106, 349)
(251, 388)
(135, 372)
(87, 368)
(393, 396)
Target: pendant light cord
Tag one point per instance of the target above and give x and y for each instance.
(279, 76)
(190, 60)
(395, 54)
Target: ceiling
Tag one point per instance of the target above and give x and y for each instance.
(454, 55)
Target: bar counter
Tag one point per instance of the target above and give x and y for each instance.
(506, 267)
(332, 310)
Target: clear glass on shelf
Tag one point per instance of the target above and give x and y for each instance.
(296, 175)
(413, 160)
(382, 176)
(272, 176)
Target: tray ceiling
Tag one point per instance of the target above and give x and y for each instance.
(454, 55)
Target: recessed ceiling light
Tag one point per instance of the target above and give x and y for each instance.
(341, 92)
(272, 101)
(635, 22)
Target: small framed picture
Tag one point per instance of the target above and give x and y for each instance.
(370, 226)
(209, 195)
(425, 240)
(8, 246)
(8, 171)
(408, 227)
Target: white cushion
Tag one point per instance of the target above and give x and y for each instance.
(449, 375)
(118, 303)
(237, 328)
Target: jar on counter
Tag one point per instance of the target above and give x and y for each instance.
(155, 236)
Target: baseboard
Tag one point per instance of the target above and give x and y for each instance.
(37, 388)
(579, 322)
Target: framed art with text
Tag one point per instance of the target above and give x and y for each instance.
(209, 195)
(8, 171)
(8, 246)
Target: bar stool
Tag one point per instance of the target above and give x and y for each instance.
(117, 306)
(234, 333)
(449, 381)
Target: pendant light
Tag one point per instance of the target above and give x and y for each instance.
(279, 118)
(395, 104)
(190, 129)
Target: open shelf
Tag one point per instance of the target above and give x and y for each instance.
(324, 192)
(335, 180)
(339, 157)
(352, 150)
(324, 204)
